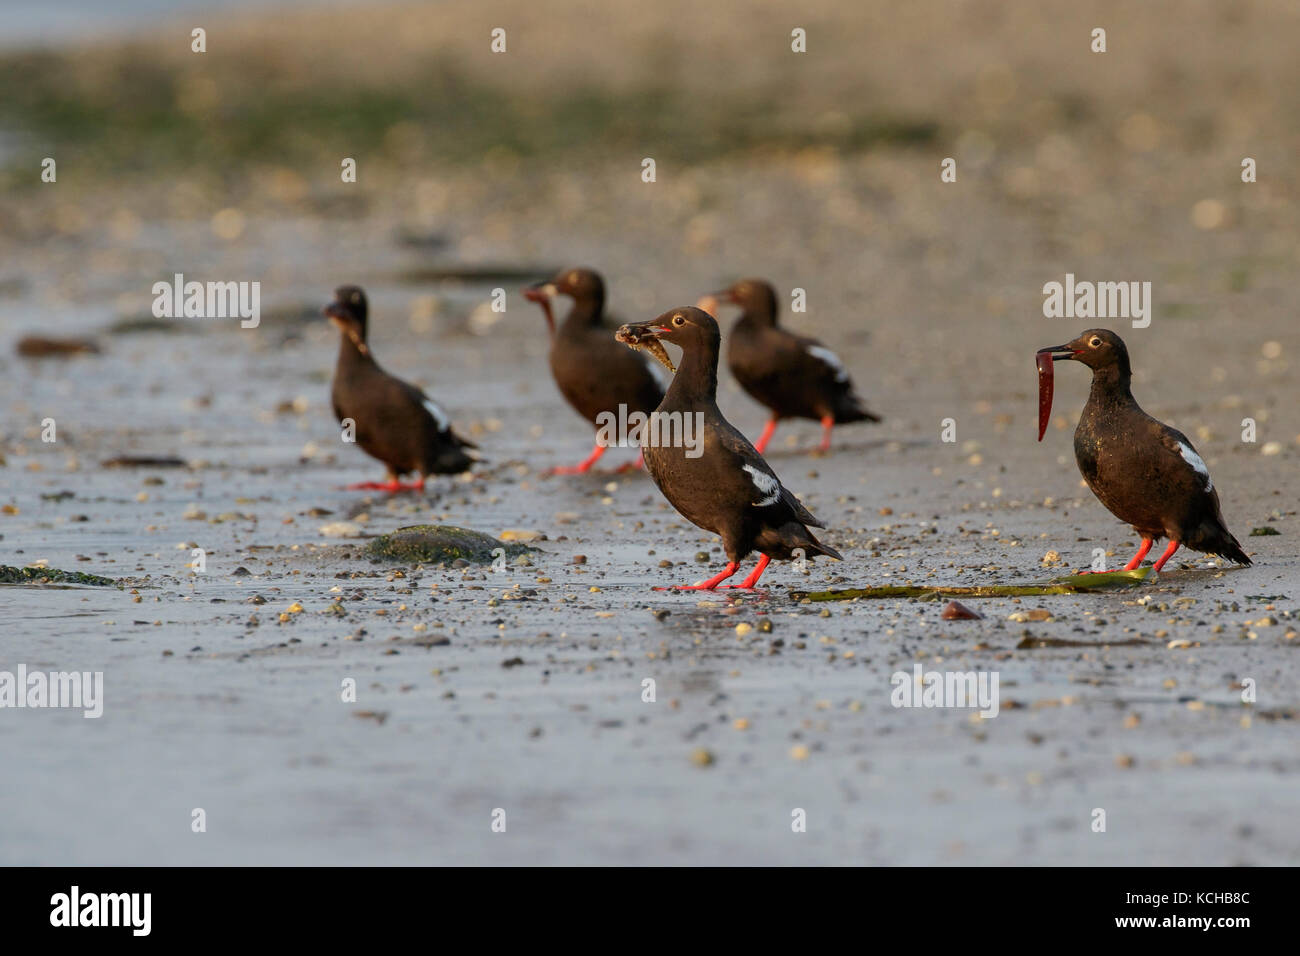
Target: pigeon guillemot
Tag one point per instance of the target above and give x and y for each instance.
(1146, 473)
(394, 421)
(708, 470)
(595, 375)
(794, 376)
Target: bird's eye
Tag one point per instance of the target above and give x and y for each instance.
(1094, 342)
(678, 321)
(356, 297)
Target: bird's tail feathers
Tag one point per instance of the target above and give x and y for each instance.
(851, 407)
(814, 547)
(1213, 538)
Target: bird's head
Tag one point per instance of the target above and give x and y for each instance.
(582, 285)
(348, 311)
(1096, 348)
(687, 327)
(755, 297)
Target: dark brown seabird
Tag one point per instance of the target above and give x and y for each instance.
(394, 421)
(793, 375)
(1146, 473)
(726, 488)
(594, 374)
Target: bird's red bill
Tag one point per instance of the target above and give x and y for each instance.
(1045, 386)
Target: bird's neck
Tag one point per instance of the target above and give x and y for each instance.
(757, 318)
(1111, 386)
(586, 312)
(351, 355)
(696, 381)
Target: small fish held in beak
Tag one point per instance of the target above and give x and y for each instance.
(643, 339)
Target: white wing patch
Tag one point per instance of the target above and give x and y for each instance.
(438, 414)
(767, 486)
(823, 354)
(1198, 465)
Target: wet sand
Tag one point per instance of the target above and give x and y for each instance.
(930, 294)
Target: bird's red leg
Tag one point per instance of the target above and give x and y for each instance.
(827, 424)
(708, 585)
(761, 445)
(392, 484)
(632, 465)
(583, 466)
(754, 575)
(1169, 553)
(1137, 558)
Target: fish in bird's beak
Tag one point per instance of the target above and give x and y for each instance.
(1058, 352)
(542, 293)
(343, 320)
(645, 335)
(1046, 359)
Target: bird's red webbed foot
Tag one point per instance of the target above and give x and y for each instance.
(707, 585)
(752, 581)
(631, 465)
(392, 485)
(582, 467)
(1137, 558)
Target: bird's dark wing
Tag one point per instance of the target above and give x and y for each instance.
(430, 411)
(816, 360)
(1178, 444)
(739, 459)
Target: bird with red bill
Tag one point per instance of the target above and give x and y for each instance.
(1146, 473)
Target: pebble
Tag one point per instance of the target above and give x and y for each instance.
(956, 611)
(702, 757)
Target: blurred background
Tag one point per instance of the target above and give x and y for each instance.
(817, 170)
(769, 161)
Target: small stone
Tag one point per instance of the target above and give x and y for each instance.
(956, 611)
(341, 529)
(1037, 614)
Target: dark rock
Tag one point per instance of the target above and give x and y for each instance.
(430, 544)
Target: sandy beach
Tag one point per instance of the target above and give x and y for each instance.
(522, 688)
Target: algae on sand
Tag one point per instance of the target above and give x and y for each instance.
(10, 575)
(1070, 584)
(430, 544)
